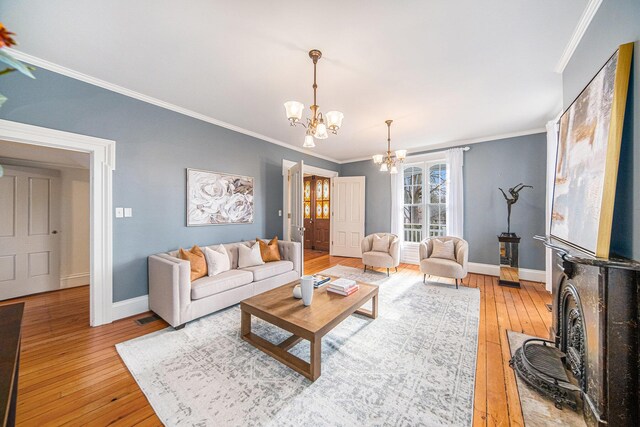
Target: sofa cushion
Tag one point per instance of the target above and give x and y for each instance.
(231, 279)
(377, 259)
(443, 249)
(196, 260)
(218, 260)
(380, 244)
(270, 269)
(249, 256)
(269, 251)
(442, 267)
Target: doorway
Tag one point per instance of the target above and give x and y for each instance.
(44, 220)
(101, 165)
(317, 213)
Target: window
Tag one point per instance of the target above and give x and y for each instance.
(425, 200)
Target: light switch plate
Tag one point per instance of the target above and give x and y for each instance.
(128, 212)
(119, 212)
(279, 212)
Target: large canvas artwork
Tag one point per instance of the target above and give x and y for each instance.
(587, 159)
(218, 198)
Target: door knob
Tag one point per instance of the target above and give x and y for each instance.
(54, 232)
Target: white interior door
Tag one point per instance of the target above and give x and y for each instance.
(29, 239)
(347, 218)
(296, 188)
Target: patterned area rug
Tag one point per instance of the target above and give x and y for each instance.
(413, 365)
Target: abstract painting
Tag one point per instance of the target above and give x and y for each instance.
(218, 198)
(587, 159)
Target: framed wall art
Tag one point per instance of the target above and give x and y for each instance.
(215, 198)
(586, 171)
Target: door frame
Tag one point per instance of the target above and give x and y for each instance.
(102, 154)
(286, 206)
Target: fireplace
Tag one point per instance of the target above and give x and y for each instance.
(593, 339)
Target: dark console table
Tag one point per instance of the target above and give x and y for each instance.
(10, 332)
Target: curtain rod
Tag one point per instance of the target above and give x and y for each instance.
(467, 148)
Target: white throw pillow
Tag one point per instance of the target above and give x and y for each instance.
(381, 244)
(249, 256)
(217, 260)
(444, 250)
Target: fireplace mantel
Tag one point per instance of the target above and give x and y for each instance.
(595, 322)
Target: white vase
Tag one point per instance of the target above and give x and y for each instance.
(306, 285)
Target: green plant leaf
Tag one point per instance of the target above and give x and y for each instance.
(14, 63)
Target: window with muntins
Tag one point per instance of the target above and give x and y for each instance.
(425, 200)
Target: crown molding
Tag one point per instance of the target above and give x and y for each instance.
(451, 144)
(59, 69)
(584, 22)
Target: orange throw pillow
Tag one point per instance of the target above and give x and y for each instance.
(269, 251)
(197, 260)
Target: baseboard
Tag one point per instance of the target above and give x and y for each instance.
(494, 270)
(73, 280)
(130, 307)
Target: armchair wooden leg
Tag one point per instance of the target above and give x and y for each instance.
(424, 279)
(456, 283)
(396, 269)
(387, 272)
(177, 328)
(365, 269)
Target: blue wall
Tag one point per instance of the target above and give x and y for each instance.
(154, 146)
(615, 23)
(487, 166)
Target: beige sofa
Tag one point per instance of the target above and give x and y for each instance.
(177, 300)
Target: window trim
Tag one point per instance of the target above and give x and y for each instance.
(425, 162)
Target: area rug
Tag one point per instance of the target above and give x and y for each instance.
(413, 365)
(537, 410)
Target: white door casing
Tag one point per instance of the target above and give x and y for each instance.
(29, 227)
(347, 216)
(286, 191)
(102, 163)
(296, 188)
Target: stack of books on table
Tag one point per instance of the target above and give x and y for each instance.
(320, 280)
(343, 286)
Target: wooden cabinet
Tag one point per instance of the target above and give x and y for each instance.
(317, 211)
(10, 333)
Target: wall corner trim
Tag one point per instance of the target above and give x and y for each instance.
(130, 307)
(494, 270)
(585, 20)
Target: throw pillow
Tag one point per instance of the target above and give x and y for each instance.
(444, 250)
(249, 256)
(381, 244)
(217, 260)
(197, 261)
(269, 252)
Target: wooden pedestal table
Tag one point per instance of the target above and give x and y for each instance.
(280, 308)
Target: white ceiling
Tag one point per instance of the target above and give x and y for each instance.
(444, 70)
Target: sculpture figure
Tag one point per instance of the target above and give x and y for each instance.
(512, 201)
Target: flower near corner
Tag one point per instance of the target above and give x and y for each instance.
(6, 40)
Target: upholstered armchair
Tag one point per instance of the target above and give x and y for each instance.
(442, 267)
(379, 254)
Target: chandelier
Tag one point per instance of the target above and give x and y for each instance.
(319, 125)
(386, 161)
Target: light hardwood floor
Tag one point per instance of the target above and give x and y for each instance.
(71, 374)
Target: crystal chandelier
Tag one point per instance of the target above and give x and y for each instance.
(387, 162)
(318, 125)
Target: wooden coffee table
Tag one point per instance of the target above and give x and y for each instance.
(280, 308)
